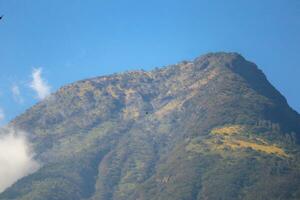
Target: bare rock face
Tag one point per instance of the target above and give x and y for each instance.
(213, 128)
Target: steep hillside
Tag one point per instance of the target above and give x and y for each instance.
(213, 128)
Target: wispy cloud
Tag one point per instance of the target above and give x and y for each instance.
(16, 157)
(39, 85)
(17, 94)
(2, 114)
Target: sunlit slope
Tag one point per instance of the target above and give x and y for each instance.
(213, 128)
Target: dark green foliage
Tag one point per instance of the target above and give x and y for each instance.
(147, 136)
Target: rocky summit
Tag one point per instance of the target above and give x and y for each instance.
(209, 129)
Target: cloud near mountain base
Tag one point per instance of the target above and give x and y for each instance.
(16, 158)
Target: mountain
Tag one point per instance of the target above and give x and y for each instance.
(212, 128)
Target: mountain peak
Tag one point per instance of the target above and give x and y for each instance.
(133, 135)
(221, 54)
(225, 57)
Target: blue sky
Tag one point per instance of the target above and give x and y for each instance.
(69, 40)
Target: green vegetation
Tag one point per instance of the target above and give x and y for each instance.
(210, 129)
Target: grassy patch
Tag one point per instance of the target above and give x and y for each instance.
(228, 130)
(233, 137)
(265, 148)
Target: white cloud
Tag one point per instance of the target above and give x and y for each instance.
(39, 85)
(17, 94)
(2, 115)
(16, 158)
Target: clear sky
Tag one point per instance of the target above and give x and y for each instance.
(61, 41)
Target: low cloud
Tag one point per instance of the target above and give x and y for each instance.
(2, 115)
(39, 85)
(16, 158)
(17, 94)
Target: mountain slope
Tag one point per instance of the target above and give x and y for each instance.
(214, 128)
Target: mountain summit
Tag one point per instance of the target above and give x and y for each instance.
(212, 128)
